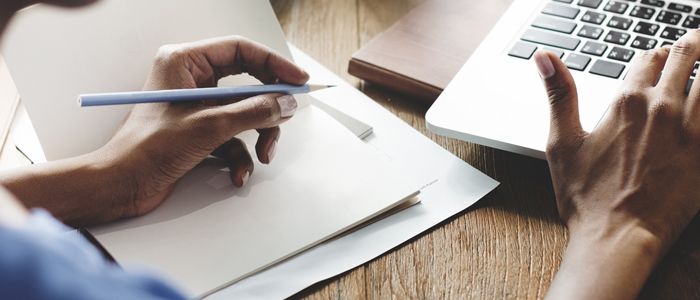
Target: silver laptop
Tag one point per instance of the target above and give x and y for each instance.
(497, 98)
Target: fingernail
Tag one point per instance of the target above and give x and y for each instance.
(271, 152)
(544, 65)
(288, 105)
(245, 177)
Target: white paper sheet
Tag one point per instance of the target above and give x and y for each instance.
(24, 136)
(450, 186)
(208, 233)
(55, 54)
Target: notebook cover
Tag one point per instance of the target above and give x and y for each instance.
(422, 52)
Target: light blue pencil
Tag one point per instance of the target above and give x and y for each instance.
(195, 94)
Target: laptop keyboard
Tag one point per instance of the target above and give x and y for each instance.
(601, 37)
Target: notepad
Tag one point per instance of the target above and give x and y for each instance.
(209, 234)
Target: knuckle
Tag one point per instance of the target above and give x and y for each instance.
(661, 110)
(168, 54)
(655, 56)
(558, 92)
(683, 47)
(263, 110)
(630, 101)
(209, 119)
(240, 38)
(164, 52)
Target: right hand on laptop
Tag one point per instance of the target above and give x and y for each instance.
(627, 189)
(159, 142)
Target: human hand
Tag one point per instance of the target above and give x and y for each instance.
(159, 142)
(627, 189)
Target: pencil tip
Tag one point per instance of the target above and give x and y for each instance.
(330, 86)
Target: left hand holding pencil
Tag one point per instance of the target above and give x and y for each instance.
(159, 142)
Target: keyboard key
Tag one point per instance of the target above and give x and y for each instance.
(689, 85)
(643, 43)
(560, 11)
(616, 7)
(620, 23)
(594, 48)
(550, 39)
(565, 1)
(555, 51)
(669, 17)
(680, 7)
(523, 50)
(657, 3)
(553, 24)
(621, 54)
(608, 69)
(665, 43)
(590, 3)
(672, 33)
(593, 17)
(617, 37)
(691, 22)
(590, 32)
(695, 70)
(697, 12)
(642, 12)
(577, 62)
(646, 28)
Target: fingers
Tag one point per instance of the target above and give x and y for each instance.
(645, 71)
(561, 91)
(240, 162)
(266, 147)
(263, 111)
(222, 123)
(680, 63)
(234, 55)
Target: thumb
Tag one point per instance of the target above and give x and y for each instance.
(561, 91)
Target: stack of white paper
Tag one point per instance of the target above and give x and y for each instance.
(209, 233)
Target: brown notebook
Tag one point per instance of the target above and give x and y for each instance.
(419, 55)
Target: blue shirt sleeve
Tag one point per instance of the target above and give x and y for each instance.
(40, 261)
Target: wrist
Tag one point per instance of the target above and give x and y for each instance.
(119, 181)
(619, 236)
(607, 262)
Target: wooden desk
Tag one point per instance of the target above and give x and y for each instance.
(509, 245)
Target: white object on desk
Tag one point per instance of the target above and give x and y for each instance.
(498, 101)
(54, 55)
(208, 233)
(332, 183)
(450, 186)
(24, 136)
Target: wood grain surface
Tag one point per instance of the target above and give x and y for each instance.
(507, 246)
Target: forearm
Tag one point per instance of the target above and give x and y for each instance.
(602, 264)
(80, 191)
